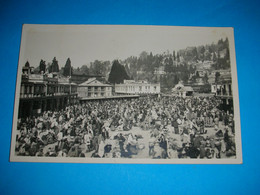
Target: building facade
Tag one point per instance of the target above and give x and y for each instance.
(221, 86)
(159, 71)
(140, 87)
(93, 88)
(42, 92)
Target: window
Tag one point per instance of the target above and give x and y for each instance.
(25, 89)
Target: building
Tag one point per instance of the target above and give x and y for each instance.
(212, 82)
(140, 87)
(159, 71)
(221, 86)
(206, 64)
(140, 72)
(224, 84)
(182, 91)
(94, 88)
(201, 72)
(81, 77)
(42, 92)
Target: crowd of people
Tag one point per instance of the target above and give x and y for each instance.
(191, 127)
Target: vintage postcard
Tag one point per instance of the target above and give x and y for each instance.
(126, 94)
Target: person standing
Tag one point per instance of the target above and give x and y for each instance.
(175, 125)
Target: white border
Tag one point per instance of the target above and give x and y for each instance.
(237, 160)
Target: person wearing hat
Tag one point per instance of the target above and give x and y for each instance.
(218, 147)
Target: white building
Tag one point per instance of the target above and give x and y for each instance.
(140, 87)
(94, 88)
(159, 71)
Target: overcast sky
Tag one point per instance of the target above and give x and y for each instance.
(84, 44)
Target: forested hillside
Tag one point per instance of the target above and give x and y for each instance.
(168, 68)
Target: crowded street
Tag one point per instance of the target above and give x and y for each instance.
(146, 127)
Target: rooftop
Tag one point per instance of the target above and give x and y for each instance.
(94, 83)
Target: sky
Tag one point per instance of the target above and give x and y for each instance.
(86, 43)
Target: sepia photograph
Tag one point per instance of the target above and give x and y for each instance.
(126, 94)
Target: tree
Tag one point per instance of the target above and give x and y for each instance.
(207, 55)
(193, 79)
(197, 74)
(169, 66)
(178, 57)
(190, 54)
(214, 58)
(27, 64)
(184, 77)
(42, 66)
(54, 67)
(118, 73)
(67, 68)
(85, 70)
(201, 50)
(227, 56)
(217, 76)
(98, 67)
(176, 80)
(143, 55)
(127, 69)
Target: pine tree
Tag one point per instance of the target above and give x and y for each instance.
(27, 64)
(174, 57)
(118, 73)
(42, 66)
(178, 57)
(54, 67)
(67, 68)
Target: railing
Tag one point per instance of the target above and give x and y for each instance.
(45, 95)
